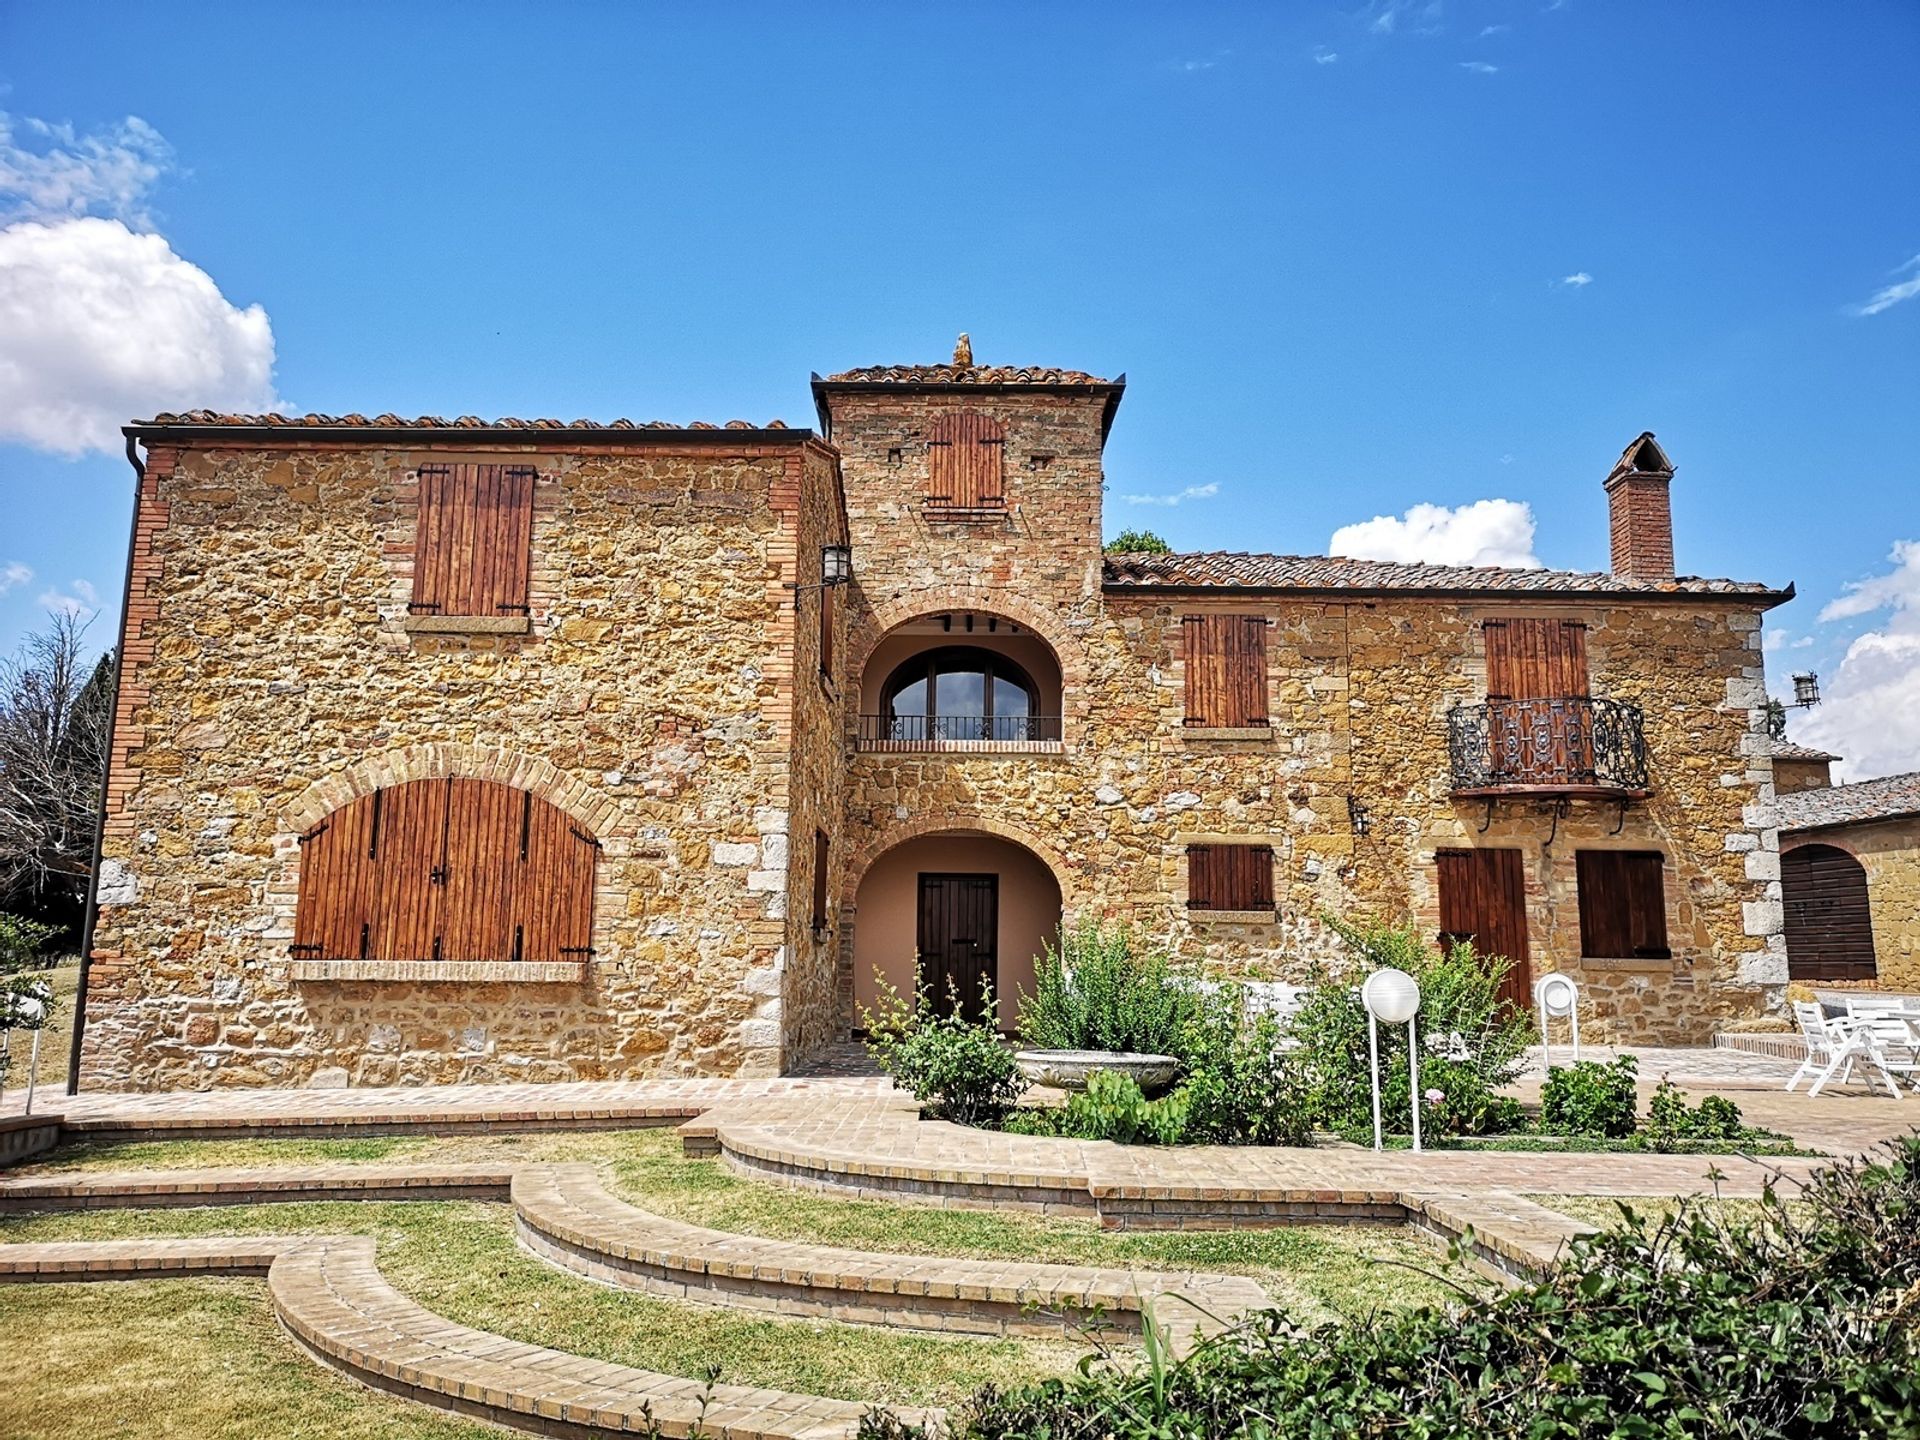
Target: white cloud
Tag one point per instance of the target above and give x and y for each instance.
(1494, 30)
(1578, 280)
(1870, 710)
(1190, 66)
(1774, 640)
(1192, 492)
(66, 175)
(99, 325)
(1388, 15)
(1889, 296)
(1479, 67)
(1323, 56)
(13, 576)
(80, 600)
(1487, 532)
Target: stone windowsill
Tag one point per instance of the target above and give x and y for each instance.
(512, 972)
(1263, 733)
(961, 747)
(1234, 917)
(467, 624)
(966, 514)
(1626, 962)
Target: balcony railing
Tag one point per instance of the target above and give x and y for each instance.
(1566, 745)
(955, 732)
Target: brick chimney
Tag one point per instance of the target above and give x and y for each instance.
(1640, 518)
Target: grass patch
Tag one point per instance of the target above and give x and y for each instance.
(1604, 1210)
(182, 1360)
(459, 1259)
(1315, 1272)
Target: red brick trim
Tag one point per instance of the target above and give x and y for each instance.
(958, 820)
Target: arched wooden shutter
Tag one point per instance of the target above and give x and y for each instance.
(473, 540)
(1829, 919)
(964, 462)
(447, 869)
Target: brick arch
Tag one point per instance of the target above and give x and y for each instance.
(1048, 625)
(596, 813)
(960, 821)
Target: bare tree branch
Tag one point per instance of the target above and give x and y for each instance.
(54, 717)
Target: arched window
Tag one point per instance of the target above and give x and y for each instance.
(962, 693)
(446, 870)
(1829, 920)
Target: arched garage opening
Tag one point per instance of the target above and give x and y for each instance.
(948, 909)
(1829, 922)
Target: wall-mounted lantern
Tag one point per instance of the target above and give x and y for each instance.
(836, 568)
(1358, 817)
(1806, 691)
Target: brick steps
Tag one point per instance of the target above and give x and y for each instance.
(331, 1297)
(144, 1189)
(564, 1215)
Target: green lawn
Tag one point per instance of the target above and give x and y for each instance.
(1314, 1271)
(55, 1040)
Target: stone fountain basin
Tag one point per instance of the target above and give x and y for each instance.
(1069, 1069)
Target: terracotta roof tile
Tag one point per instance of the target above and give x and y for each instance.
(435, 422)
(1332, 572)
(963, 375)
(1881, 799)
(1787, 750)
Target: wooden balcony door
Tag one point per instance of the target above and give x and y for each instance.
(1537, 726)
(959, 928)
(1483, 898)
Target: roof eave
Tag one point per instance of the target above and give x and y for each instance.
(556, 437)
(1759, 599)
(1112, 391)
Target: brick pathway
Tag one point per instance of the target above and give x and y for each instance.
(151, 1189)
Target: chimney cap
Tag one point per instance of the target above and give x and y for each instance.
(1643, 457)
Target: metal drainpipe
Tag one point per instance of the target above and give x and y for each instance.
(106, 772)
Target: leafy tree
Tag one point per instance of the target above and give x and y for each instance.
(1138, 542)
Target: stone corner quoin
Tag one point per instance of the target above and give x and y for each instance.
(408, 710)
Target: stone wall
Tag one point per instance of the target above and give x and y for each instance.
(1889, 851)
(272, 674)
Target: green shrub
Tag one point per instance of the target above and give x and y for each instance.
(1471, 1042)
(957, 1067)
(1591, 1097)
(1796, 1325)
(1103, 987)
(1112, 1107)
(1242, 1087)
(1670, 1119)
(21, 943)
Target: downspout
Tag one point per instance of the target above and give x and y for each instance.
(106, 772)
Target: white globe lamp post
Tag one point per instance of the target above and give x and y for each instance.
(1553, 996)
(1392, 997)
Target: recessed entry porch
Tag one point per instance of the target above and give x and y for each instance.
(949, 910)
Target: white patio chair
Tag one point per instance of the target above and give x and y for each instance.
(1883, 1042)
(1823, 1042)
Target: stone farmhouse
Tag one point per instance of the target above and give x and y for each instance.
(525, 750)
(1850, 874)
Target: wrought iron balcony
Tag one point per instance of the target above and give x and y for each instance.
(956, 732)
(1568, 745)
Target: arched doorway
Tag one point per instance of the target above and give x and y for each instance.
(949, 910)
(1829, 923)
(960, 680)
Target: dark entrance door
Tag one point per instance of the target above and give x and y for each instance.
(1829, 923)
(1483, 898)
(959, 947)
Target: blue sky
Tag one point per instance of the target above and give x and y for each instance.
(1352, 258)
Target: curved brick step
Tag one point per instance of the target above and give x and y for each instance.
(333, 1299)
(565, 1215)
(93, 1190)
(71, 1260)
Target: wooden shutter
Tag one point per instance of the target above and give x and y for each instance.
(1829, 915)
(1540, 730)
(826, 631)
(822, 851)
(964, 462)
(446, 869)
(1226, 665)
(473, 540)
(1535, 659)
(1483, 899)
(1623, 904)
(1229, 877)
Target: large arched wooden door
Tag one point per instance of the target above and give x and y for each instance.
(1829, 922)
(446, 870)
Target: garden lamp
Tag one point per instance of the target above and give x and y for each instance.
(1393, 996)
(1553, 996)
